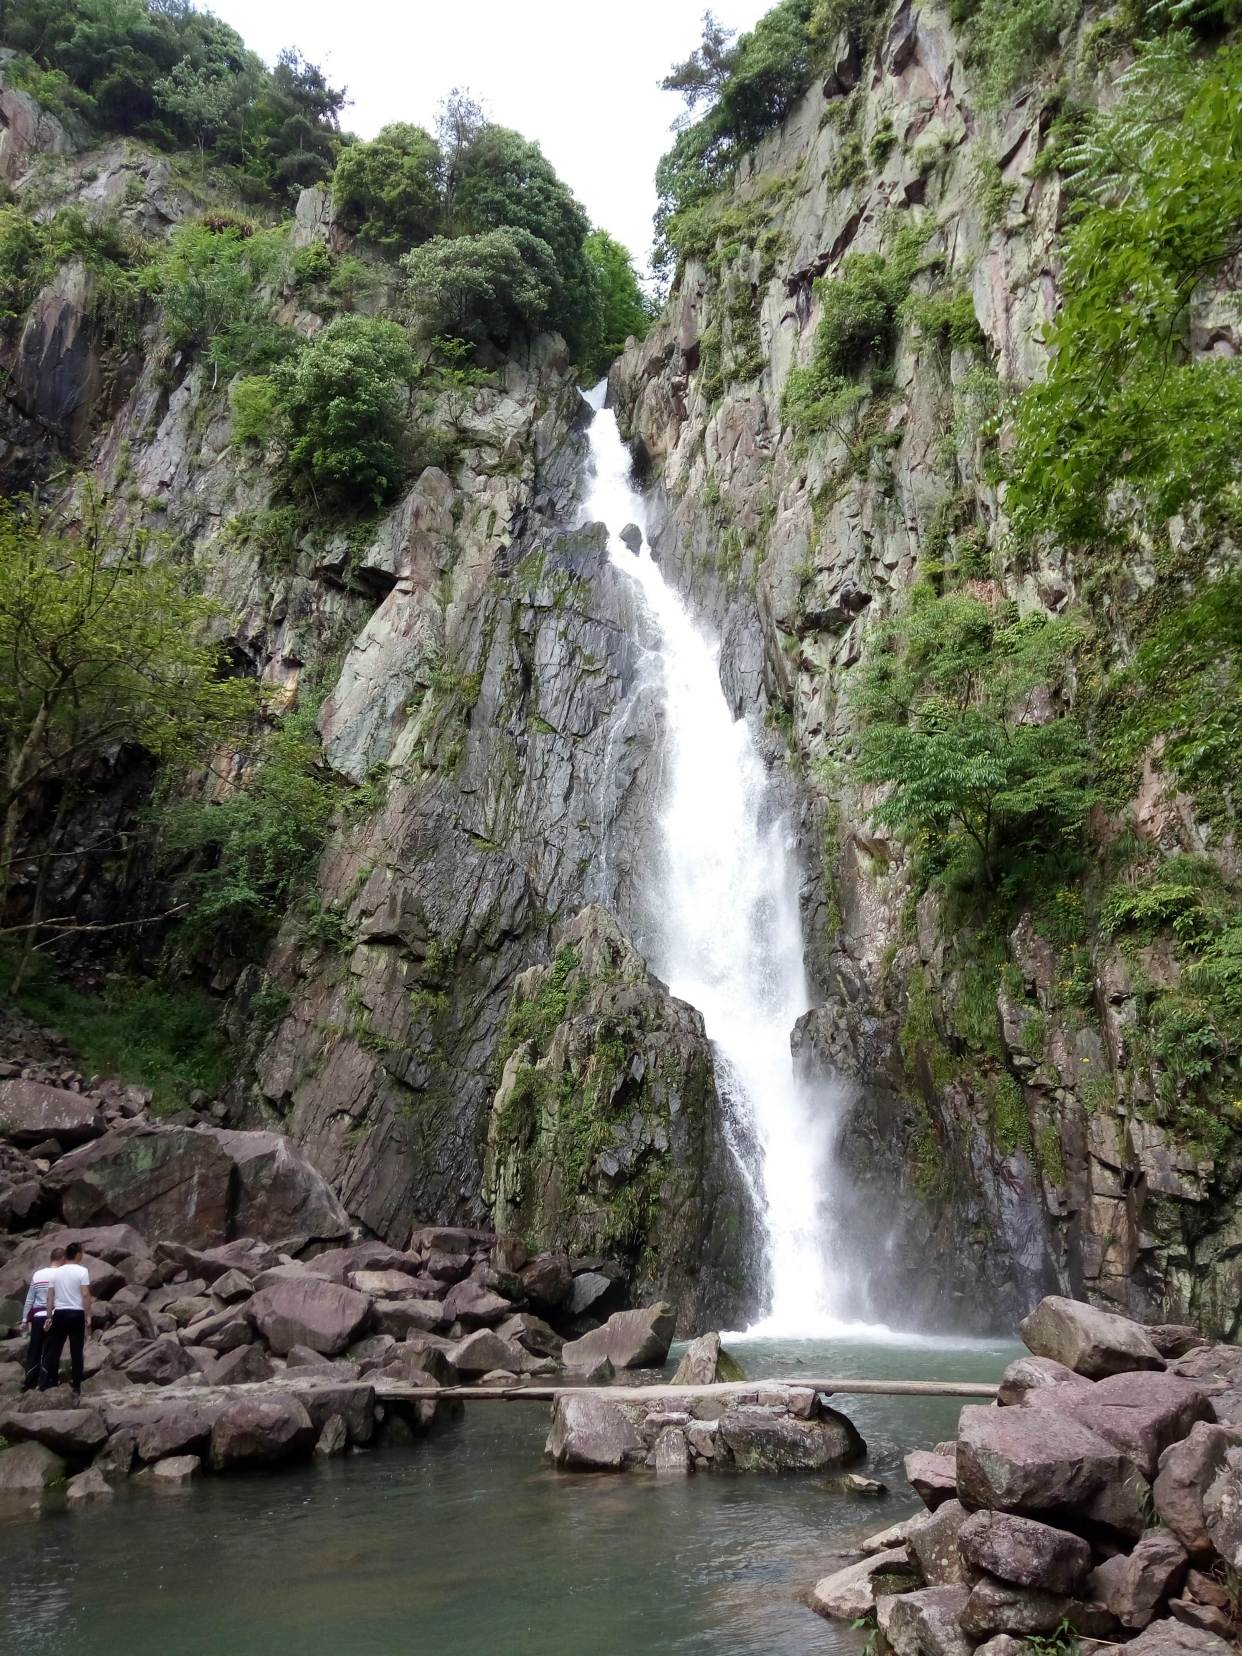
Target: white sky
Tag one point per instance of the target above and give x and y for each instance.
(580, 76)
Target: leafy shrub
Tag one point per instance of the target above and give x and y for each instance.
(859, 310)
(1011, 40)
(209, 287)
(947, 706)
(253, 400)
(250, 852)
(391, 189)
(341, 401)
(1125, 405)
(495, 286)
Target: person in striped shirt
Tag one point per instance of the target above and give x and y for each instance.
(34, 1312)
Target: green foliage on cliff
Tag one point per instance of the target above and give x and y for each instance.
(210, 285)
(99, 648)
(748, 85)
(177, 77)
(623, 308)
(238, 860)
(116, 261)
(498, 287)
(342, 402)
(980, 765)
(1128, 405)
(859, 310)
(391, 190)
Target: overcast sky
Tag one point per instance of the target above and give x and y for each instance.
(580, 76)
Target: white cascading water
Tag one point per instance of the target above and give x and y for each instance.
(730, 939)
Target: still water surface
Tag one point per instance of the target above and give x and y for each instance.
(467, 1545)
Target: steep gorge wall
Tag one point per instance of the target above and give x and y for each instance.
(1009, 1135)
(489, 723)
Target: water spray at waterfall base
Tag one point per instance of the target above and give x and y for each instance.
(727, 936)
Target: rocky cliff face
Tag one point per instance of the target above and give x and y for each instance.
(996, 1150)
(483, 716)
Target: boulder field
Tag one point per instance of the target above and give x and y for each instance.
(240, 1318)
(1099, 1501)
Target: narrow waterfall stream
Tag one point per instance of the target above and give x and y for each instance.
(728, 937)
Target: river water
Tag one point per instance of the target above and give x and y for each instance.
(466, 1544)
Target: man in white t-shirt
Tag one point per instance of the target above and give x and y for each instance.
(68, 1318)
(34, 1312)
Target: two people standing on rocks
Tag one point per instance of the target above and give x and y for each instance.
(58, 1309)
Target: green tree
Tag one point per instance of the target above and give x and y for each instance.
(391, 190)
(98, 649)
(209, 288)
(959, 722)
(507, 183)
(493, 287)
(202, 96)
(623, 308)
(342, 401)
(241, 857)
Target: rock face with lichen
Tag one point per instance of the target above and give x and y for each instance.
(607, 1136)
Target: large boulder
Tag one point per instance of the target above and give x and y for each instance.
(593, 1433)
(75, 1433)
(31, 1112)
(1173, 1638)
(1000, 1607)
(196, 1185)
(159, 1362)
(163, 1426)
(1029, 1374)
(1024, 1551)
(932, 1477)
(547, 1280)
(1091, 1342)
(483, 1352)
(1040, 1463)
(629, 1339)
(925, 1622)
(705, 1362)
(29, 1469)
(1133, 1586)
(259, 1429)
(308, 1311)
(1187, 1471)
(934, 1543)
(1141, 1413)
(854, 1591)
(245, 1255)
(765, 1440)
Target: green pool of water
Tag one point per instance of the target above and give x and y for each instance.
(468, 1545)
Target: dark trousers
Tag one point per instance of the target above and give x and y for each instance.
(34, 1355)
(65, 1325)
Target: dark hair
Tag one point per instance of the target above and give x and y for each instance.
(73, 1250)
(58, 1253)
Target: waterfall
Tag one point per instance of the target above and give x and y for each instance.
(726, 930)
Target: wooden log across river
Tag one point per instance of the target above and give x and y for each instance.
(664, 1393)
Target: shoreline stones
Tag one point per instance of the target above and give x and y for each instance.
(1101, 1494)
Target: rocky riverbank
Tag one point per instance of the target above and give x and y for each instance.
(1098, 1502)
(241, 1318)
